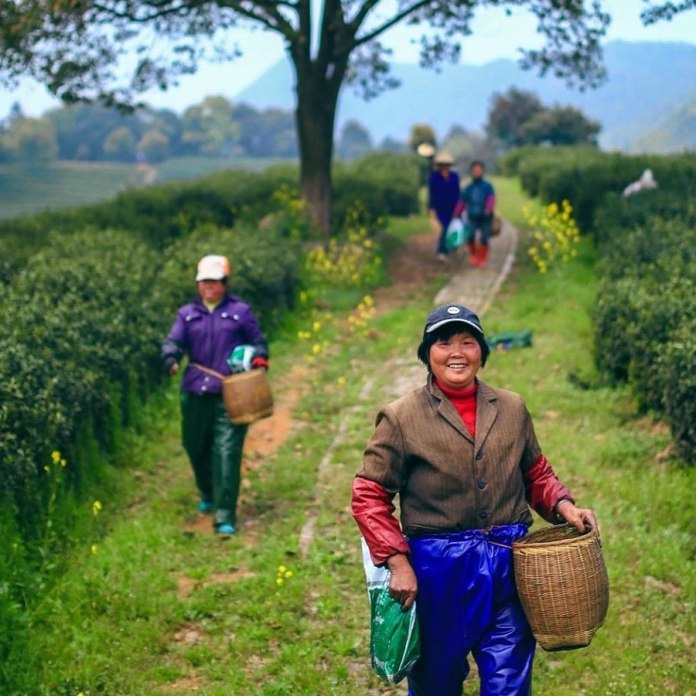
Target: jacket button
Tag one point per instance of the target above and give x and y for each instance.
(481, 484)
(479, 456)
(483, 514)
(204, 388)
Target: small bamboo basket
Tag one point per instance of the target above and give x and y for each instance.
(247, 396)
(563, 585)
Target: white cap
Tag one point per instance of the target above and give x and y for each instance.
(213, 267)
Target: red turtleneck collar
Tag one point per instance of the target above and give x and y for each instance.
(464, 401)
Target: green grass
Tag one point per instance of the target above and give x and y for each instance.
(26, 190)
(159, 609)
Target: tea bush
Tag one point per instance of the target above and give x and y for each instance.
(647, 302)
(383, 183)
(84, 294)
(84, 321)
(264, 269)
(586, 176)
(386, 184)
(647, 251)
(677, 363)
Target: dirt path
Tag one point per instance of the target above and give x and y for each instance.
(409, 269)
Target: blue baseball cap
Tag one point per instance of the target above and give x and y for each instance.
(450, 314)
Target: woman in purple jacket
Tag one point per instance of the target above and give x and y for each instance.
(208, 329)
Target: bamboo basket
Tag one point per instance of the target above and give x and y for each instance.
(247, 396)
(563, 585)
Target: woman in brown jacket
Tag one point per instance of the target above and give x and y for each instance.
(466, 464)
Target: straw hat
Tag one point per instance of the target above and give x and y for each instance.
(444, 157)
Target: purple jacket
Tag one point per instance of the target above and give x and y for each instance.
(209, 338)
(443, 195)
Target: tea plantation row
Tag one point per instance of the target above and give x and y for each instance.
(645, 317)
(86, 297)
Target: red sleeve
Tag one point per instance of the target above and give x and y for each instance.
(543, 489)
(373, 510)
(490, 204)
(459, 208)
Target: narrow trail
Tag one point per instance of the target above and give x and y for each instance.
(409, 270)
(473, 287)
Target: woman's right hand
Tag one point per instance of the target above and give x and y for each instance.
(403, 586)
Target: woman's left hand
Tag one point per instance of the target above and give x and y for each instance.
(578, 517)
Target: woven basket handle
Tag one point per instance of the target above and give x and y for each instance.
(210, 371)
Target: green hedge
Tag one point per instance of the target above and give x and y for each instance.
(677, 363)
(83, 325)
(647, 247)
(586, 176)
(646, 305)
(385, 184)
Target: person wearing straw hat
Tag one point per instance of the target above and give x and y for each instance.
(465, 461)
(443, 195)
(208, 329)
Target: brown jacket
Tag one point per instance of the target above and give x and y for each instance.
(448, 481)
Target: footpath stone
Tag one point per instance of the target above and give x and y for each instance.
(477, 287)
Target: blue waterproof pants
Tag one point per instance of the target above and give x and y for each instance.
(467, 603)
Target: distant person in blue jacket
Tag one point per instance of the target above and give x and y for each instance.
(478, 200)
(443, 195)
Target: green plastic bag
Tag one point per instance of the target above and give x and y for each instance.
(394, 633)
(240, 358)
(455, 235)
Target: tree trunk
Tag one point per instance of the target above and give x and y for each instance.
(317, 100)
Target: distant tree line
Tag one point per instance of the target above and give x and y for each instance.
(515, 118)
(214, 128)
(91, 132)
(218, 128)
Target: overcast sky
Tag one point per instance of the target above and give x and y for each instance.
(495, 36)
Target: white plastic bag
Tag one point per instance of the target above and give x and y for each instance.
(455, 235)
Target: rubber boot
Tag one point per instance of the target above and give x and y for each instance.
(473, 255)
(483, 255)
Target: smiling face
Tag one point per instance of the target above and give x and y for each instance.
(455, 360)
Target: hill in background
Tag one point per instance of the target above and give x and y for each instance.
(676, 132)
(648, 85)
